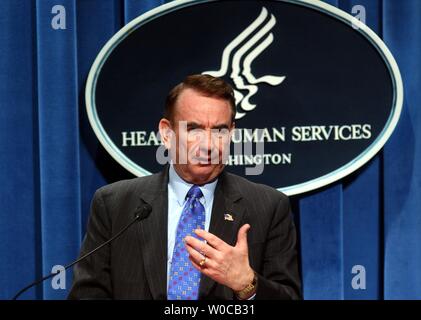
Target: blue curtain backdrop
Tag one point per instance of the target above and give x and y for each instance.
(51, 163)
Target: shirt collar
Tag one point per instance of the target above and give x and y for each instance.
(181, 187)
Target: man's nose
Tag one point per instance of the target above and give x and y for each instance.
(208, 142)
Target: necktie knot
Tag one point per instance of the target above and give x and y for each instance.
(194, 193)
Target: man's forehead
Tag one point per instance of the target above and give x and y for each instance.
(195, 107)
(190, 97)
(203, 122)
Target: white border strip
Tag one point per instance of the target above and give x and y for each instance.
(336, 175)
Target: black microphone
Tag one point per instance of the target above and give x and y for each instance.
(142, 212)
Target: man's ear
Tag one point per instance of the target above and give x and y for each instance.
(166, 132)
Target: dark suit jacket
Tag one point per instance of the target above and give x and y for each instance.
(134, 266)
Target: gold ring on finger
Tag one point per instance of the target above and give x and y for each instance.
(202, 262)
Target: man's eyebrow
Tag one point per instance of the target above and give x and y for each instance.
(193, 124)
(221, 126)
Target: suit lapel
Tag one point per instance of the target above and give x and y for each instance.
(227, 200)
(153, 235)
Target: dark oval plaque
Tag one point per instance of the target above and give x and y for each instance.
(322, 87)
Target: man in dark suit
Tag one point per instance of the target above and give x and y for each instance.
(210, 234)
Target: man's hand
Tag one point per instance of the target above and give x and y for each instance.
(225, 264)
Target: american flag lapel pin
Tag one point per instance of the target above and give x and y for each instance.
(228, 217)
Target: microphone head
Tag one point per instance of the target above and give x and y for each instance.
(143, 211)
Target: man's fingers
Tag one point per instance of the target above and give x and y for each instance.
(205, 271)
(242, 236)
(201, 246)
(198, 258)
(195, 264)
(211, 239)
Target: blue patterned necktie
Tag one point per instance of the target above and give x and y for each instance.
(184, 278)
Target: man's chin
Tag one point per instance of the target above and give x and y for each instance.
(205, 172)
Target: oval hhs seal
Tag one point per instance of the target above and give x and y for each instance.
(321, 96)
